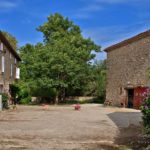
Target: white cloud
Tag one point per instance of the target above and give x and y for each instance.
(85, 12)
(81, 16)
(6, 5)
(116, 1)
(109, 35)
(110, 1)
(91, 8)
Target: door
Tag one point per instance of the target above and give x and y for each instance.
(138, 96)
(130, 98)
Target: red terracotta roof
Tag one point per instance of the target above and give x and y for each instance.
(128, 41)
(5, 41)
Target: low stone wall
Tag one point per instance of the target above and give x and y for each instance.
(80, 98)
(35, 99)
(70, 98)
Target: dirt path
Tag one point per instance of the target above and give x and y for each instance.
(62, 128)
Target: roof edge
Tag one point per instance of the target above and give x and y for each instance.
(8, 45)
(128, 41)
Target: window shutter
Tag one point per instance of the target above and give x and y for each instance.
(11, 73)
(3, 64)
(15, 61)
(1, 46)
(17, 73)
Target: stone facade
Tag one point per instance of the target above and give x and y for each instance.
(128, 66)
(9, 60)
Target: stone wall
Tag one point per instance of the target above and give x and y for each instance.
(6, 78)
(128, 67)
(80, 98)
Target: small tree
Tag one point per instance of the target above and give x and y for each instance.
(145, 108)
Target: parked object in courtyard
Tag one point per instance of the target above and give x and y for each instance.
(128, 66)
(45, 107)
(77, 107)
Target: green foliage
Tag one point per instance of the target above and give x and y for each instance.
(101, 79)
(96, 85)
(145, 108)
(4, 100)
(14, 90)
(22, 92)
(11, 39)
(25, 101)
(61, 62)
(43, 92)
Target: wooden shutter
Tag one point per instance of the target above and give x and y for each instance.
(1, 46)
(3, 64)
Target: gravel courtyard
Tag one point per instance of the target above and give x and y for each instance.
(94, 127)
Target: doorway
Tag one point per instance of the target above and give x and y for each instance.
(130, 98)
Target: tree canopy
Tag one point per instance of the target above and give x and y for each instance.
(62, 61)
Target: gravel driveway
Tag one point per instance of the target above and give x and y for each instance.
(63, 128)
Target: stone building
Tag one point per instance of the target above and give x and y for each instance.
(128, 65)
(9, 60)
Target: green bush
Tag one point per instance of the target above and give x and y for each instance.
(4, 100)
(46, 95)
(21, 91)
(25, 101)
(145, 108)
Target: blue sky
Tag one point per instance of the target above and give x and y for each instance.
(105, 21)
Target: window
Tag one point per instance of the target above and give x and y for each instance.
(15, 61)
(17, 73)
(1, 46)
(3, 64)
(11, 70)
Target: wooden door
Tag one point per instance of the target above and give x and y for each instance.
(138, 97)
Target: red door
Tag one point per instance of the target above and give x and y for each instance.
(138, 96)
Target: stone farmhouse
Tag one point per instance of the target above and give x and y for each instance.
(9, 60)
(128, 67)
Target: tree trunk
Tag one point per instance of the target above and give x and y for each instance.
(56, 100)
(63, 94)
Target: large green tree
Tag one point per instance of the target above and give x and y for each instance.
(68, 54)
(62, 61)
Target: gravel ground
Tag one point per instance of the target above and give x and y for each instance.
(62, 128)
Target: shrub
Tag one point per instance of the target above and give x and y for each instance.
(21, 91)
(4, 100)
(145, 108)
(26, 101)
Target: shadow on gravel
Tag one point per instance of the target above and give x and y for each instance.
(130, 130)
